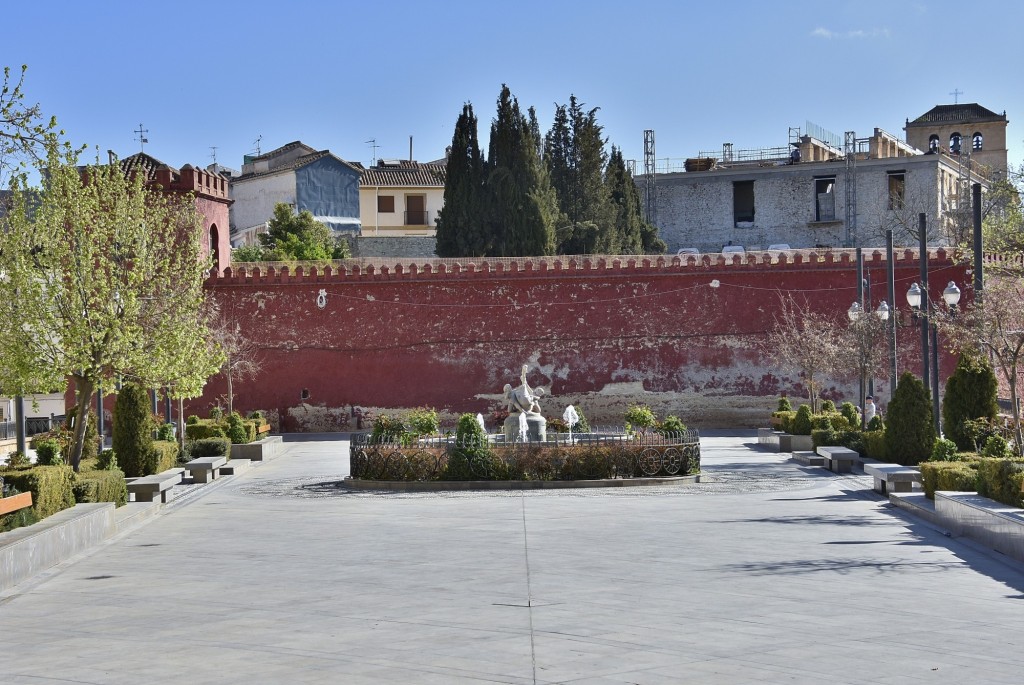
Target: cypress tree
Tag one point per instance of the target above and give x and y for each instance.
(625, 202)
(970, 394)
(462, 228)
(909, 431)
(519, 193)
(133, 429)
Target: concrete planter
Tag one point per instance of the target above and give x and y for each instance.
(261, 450)
(795, 443)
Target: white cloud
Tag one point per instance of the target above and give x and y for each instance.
(857, 34)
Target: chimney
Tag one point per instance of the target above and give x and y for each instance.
(111, 157)
(410, 148)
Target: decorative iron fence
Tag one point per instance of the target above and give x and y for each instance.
(587, 456)
(33, 426)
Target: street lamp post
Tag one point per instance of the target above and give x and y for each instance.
(918, 301)
(861, 328)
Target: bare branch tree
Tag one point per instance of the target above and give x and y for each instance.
(805, 342)
(241, 354)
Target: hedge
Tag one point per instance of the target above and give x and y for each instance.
(101, 486)
(874, 444)
(50, 487)
(162, 455)
(957, 476)
(1001, 480)
(200, 431)
(209, 447)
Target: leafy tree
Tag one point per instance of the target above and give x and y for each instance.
(247, 253)
(25, 133)
(575, 157)
(102, 278)
(299, 237)
(133, 429)
(462, 228)
(970, 395)
(994, 325)
(910, 431)
(522, 202)
(804, 341)
(1003, 223)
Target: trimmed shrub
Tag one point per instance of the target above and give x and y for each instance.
(640, 416)
(17, 459)
(199, 431)
(236, 430)
(209, 447)
(672, 425)
(944, 450)
(107, 461)
(783, 420)
(874, 444)
(876, 423)
(100, 486)
(849, 410)
(192, 420)
(970, 395)
(216, 414)
(165, 432)
(996, 447)
(827, 407)
(1001, 480)
(48, 453)
(471, 458)
(824, 437)
(388, 428)
(852, 440)
(423, 421)
(802, 421)
(957, 476)
(784, 405)
(910, 433)
(833, 420)
(257, 415)
(162, 455)
(133, 430)
(50, 487)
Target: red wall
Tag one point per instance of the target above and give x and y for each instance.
(599, 335)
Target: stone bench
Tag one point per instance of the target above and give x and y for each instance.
(839, 459)
(893, 477)
(205, 469)
(808, 458)
(234, 467)
(147, 488)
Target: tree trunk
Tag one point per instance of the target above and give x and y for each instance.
(231, 394)
(1018, 438)
(181, 424)
(84, 389)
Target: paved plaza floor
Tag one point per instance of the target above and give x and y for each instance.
(765, 573)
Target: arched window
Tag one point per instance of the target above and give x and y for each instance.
(215, 246)
(933, 143)
(954, 143)
(976, 140)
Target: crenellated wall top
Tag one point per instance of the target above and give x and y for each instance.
(559, 265)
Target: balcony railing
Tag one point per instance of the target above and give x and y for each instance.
(417, 217)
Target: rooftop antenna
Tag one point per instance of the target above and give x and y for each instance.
(142, 137)
(956, 95)
(257, 144)
(373, 142)
(213, 154)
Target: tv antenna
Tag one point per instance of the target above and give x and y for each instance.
(142, 137)
(257, 144)
(213, 154)
(373, 143)
(956, 95)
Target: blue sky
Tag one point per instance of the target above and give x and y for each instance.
(338, 74)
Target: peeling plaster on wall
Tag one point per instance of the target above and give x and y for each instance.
(455, 339)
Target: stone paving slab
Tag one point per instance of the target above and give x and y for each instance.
(766, 572)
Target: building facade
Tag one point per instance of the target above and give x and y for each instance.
(967, 131)
(210, 191)
(297, 175)
(401, 198)
(816, 196)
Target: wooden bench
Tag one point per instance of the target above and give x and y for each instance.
(205, 469)
(893, 477)
(147, 488)
(839, 459)
(808, 458)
